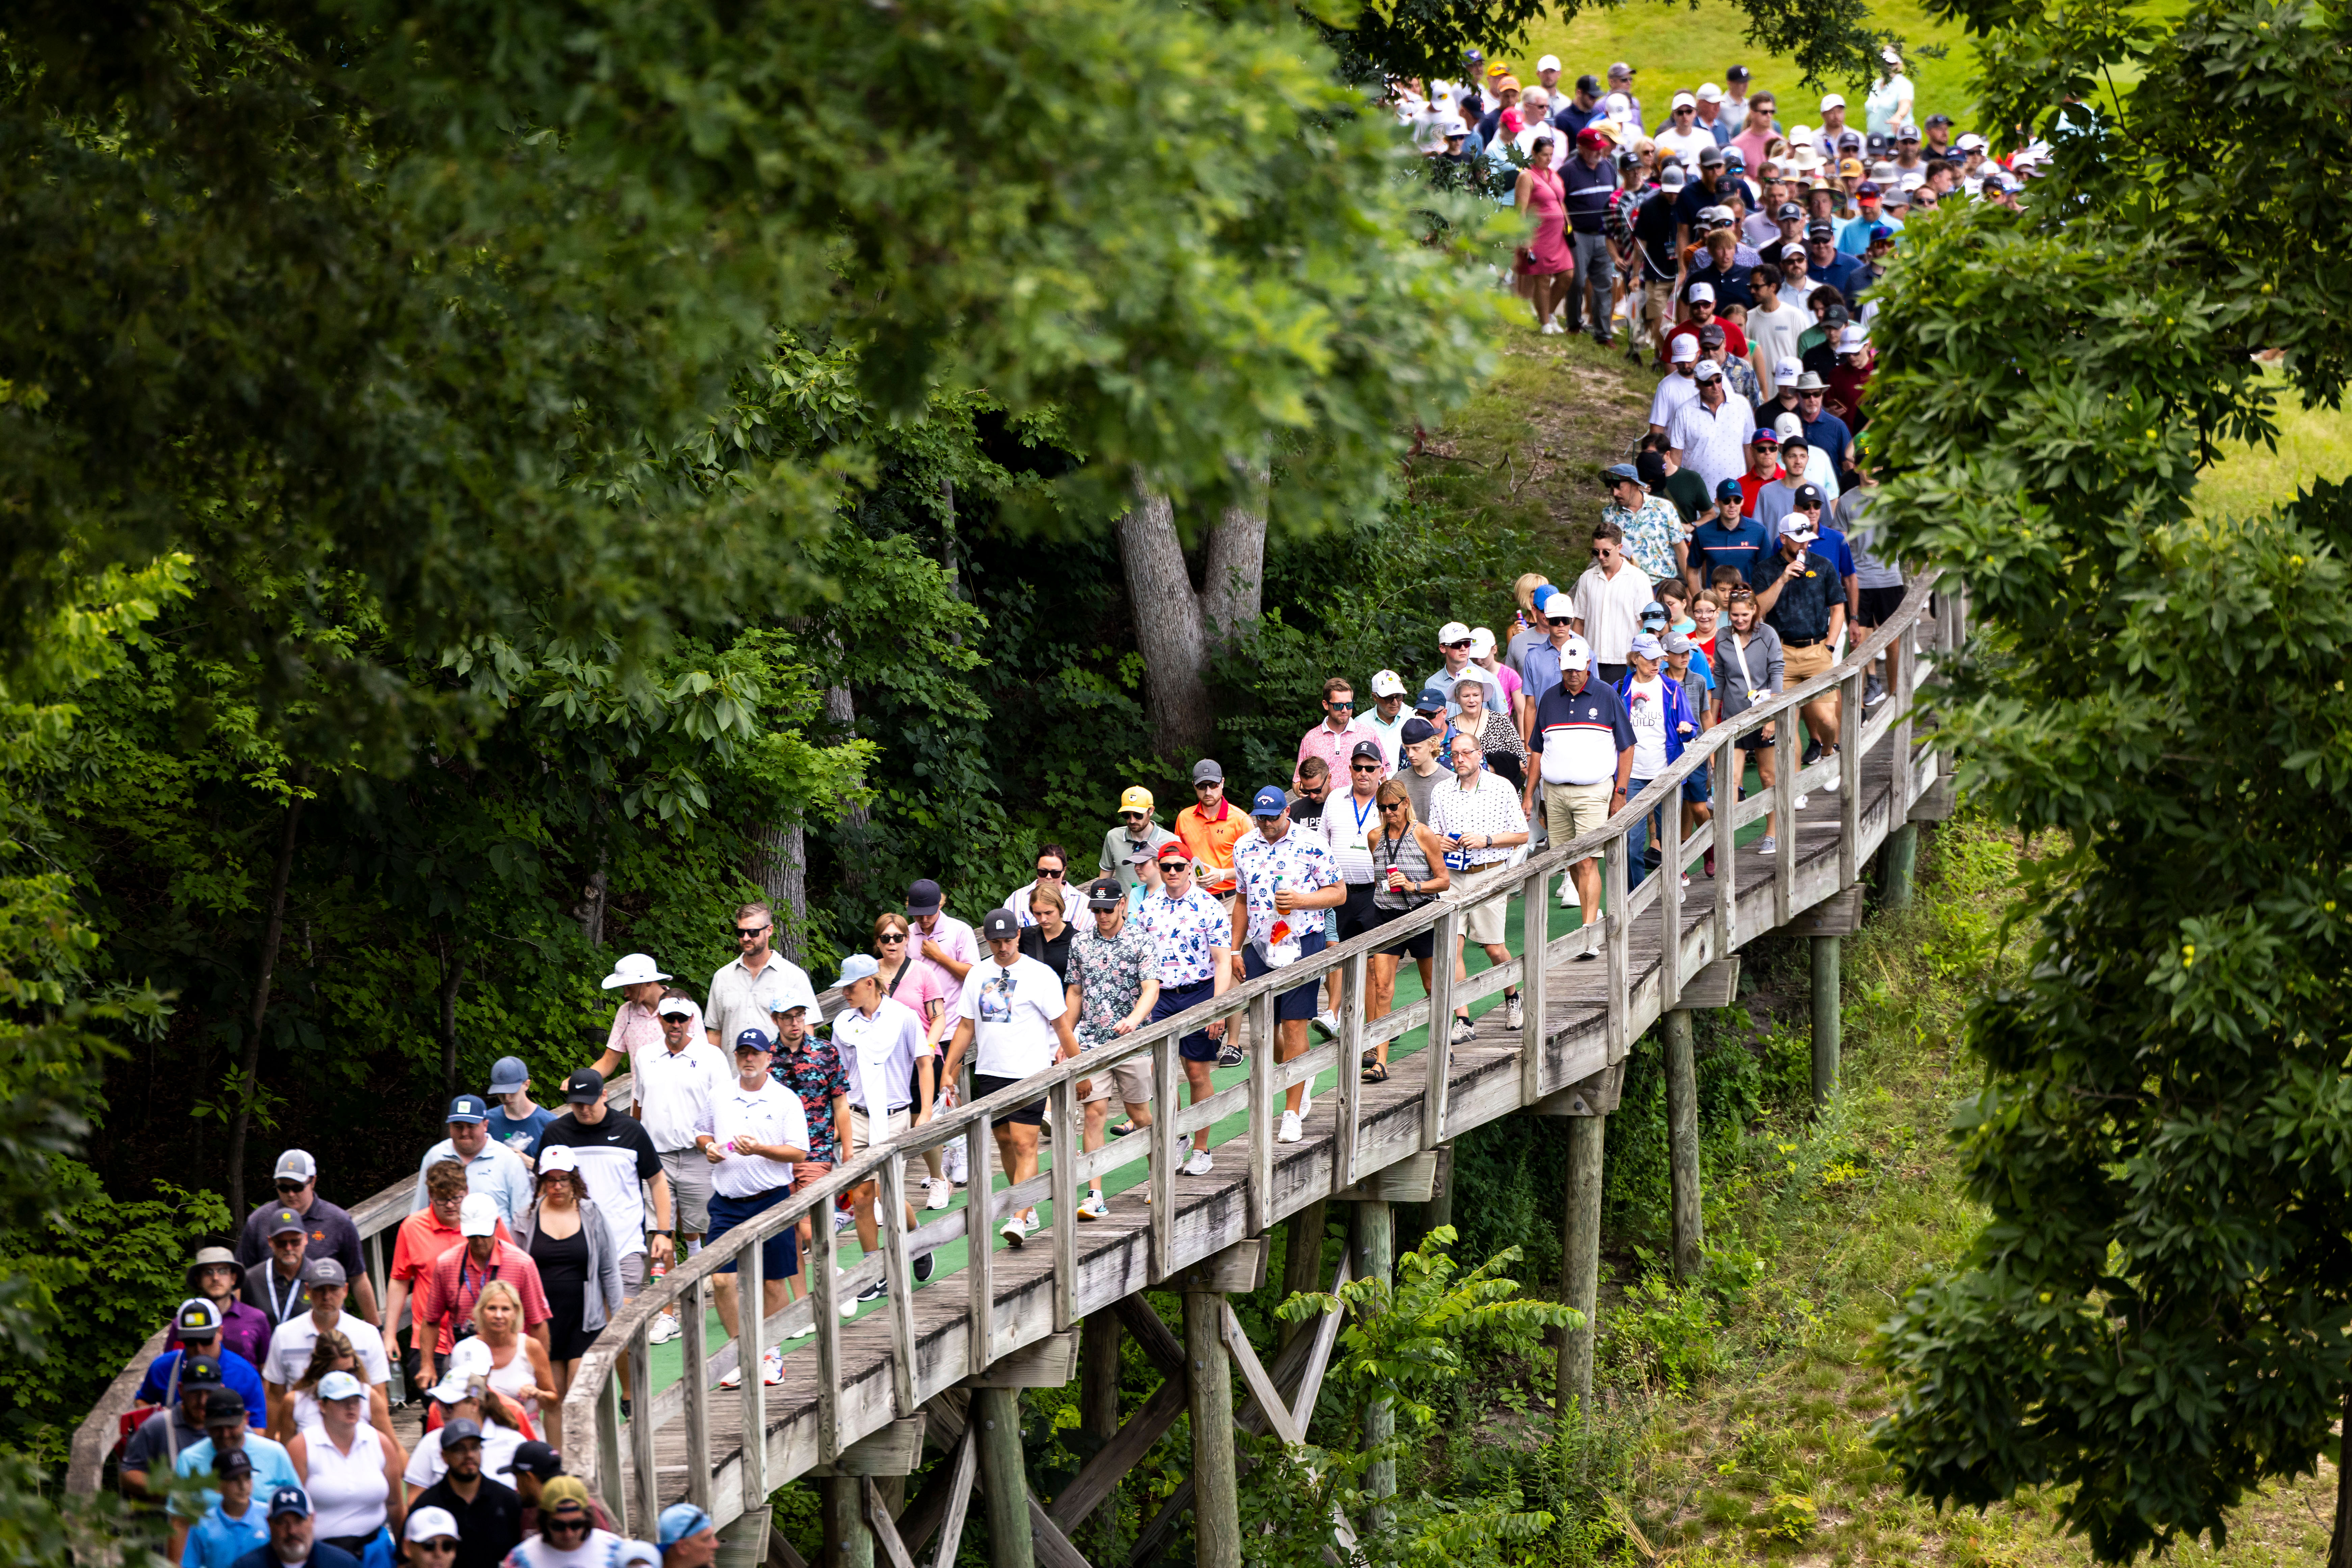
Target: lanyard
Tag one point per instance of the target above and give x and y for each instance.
(281, 1310)
(487, 1278)
(1362, 816)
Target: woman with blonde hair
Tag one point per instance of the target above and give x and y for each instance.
(1408, 871)
(519, 1368)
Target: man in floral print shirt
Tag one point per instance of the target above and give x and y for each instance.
(1114, 980)
(1285, 873)
(811, 1068)
(1650, 524)
(1194, 940)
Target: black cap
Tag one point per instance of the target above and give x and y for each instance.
(1368, 752)
(1939, 119)
(200, 1371)
(1417, 729)
(1711, 336)
(459, 1430)
(998, 925)
(1819, 230)
(223, 1405)
(1790, 209)
(1808, 495)
(923, 897)
(1589, 83)
(1736, 73)
(585, 1086)
(230, 1463)
(536, 1459)
(1105, 893)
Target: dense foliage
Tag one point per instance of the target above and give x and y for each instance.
(2156, 1320)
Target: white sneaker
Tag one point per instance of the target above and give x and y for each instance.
(1768, 844)
(848, 1308)
(772, 1366)
(1568, 899)
(1093, 1207)
(940, 1193)
(1800, 802)
(841, 1220)
(1514, 1012)
(1829, 785)
(734, 1378)
(1329, 1022)
(1198, 1164)
(1288, 1131)
(665, 1330)
(1686, 879)
(1463, 1032)
(1015, 1230)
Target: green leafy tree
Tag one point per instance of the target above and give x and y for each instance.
(2157, 1319)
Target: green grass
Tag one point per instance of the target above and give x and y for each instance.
(2311, 442)
(1675, 45)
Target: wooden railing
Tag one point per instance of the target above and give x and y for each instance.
(923, 1365)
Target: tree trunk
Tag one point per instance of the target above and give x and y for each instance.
(1170, 631)
(2339, 1545)
(453, 970)
(249, 1077)
(841, 708)
(593, 900)
(779, 863)
(1235, 577)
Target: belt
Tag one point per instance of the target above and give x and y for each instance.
(1802, 642)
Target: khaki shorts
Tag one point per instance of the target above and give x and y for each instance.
(1801, 663)
(1572, 809)
(1489, 922)
(862, 1128)
(1131, 1078)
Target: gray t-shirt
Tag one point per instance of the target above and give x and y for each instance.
(1869, 571)
(145, 1449)
(1117, 846)
(1420, 789)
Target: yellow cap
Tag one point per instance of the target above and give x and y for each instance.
(1136, 798)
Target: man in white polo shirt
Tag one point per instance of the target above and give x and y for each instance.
(672, 1094)
(1017, 1012)
(754, 1133)
(1480, 817)
(880, 1042)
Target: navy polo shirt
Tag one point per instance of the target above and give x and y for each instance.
(1746, 547)
(1843, 273)
(1827, 433)
(1801, 613)
(1592, 717)
(1694, 196)
(1587, 192)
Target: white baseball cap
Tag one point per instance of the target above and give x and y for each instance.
(1482, 642)
(1709, 93)
(558, 1157)
(1972, 142)
(1549, 63)
(635, 969)
(430, 1523)
(1852, 340)
(477, 1215)
(1699, 291)
(1832, 101)
(1387, 683)
(1575, 653)
(1620, 107)
(1787, 370)
(1451, 632)
(1684, 349)
(295, 1165)
(1788, 426)
(1708, 371)
(1685, 100)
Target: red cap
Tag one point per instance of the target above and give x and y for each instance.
(1173, 850)
(1589, 137)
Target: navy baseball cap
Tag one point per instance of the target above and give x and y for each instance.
(754, 1040)
(1270, 801)
(289, 1499)
(1729, 489)
(468, 1108)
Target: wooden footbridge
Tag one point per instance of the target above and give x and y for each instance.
(944, 1362)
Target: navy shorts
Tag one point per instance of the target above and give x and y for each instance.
(780, 1254)
(1298, 1004)
(1195, 1047)
(1695, 788)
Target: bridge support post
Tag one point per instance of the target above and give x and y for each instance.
(1375, 1246)
(1216, 1477)
(1826, 1040)
(1682, 1144)
(1898, 865)
(1004, 1475)
(848, 1539)
(744, 1543)
(1580, 1254)
(1302, 1258)
(1099, 1399)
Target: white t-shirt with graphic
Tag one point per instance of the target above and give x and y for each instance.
(1646, 706)
(1013, 1008)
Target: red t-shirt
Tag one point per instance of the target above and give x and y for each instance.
(1750, 486)
(1735, 341)
(422, 1239)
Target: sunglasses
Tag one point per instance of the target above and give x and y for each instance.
(1130, 816)
(1388, 805)
(1463, 643)
(442, 1544)
(1364, 767)
(747, 933)
(1561, 621)
(1349, 705)
(891, 936)
(1177, 868)
(567, 1524)
(291, 1186)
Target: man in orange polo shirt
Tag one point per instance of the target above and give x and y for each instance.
(1209, 828)
(423, 1237)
